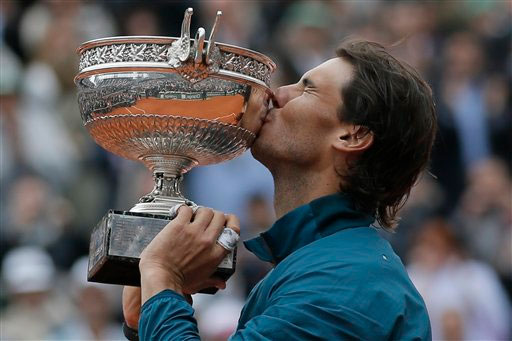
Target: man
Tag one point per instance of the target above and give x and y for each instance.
(345, 145)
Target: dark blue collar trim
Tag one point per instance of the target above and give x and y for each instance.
(305, 224)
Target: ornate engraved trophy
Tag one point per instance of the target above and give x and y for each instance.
(171, 103)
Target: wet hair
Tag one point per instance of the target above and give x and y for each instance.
(390, 100)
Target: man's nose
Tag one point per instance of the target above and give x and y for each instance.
(284, 94)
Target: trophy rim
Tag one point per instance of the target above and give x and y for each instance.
(157, 67)
(168, 40)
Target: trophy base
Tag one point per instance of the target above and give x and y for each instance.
(117, 242)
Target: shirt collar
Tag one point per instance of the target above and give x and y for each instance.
(305, 224)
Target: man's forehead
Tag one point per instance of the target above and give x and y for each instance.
(333, 71)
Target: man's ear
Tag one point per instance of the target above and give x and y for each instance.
(353, 139)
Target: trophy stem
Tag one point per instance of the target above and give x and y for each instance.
(168, 173)
(168, 165)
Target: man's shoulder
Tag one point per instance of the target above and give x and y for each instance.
(353, 273)
(345, 251)
(354, 267)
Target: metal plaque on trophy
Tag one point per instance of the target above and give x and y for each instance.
(172, 104)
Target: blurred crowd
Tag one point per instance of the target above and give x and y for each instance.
(455, 235)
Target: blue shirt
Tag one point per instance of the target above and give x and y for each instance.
(334, 278)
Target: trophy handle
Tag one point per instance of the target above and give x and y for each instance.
(211, 40)
(199, 45)
(179, 51)
(185, 33)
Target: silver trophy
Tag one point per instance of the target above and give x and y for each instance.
(171, 103)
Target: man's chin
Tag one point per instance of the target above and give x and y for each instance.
(262, 150)
(257, 148)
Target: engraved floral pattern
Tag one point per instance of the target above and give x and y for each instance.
(117, 53)
(137, 52)
(245, 65)
(101, 54)
(135, 136)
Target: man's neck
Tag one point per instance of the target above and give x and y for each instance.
(294, 189)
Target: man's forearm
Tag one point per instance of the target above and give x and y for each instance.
(154, 281)
(167, 316)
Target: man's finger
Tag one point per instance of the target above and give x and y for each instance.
(216, 225)
(184, 215)
(203, 217)
(233, 222)
(182, 218)
(219, 252)
(213, 282)
(220, 285)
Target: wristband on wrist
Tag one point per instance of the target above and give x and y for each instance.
(130, 333)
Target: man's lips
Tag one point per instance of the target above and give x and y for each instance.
(268, 112)
(268, 115)
(264, 117)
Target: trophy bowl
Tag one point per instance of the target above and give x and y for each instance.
(172, 104)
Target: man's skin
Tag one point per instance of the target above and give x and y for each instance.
(305, 146)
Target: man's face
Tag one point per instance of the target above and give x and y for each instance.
(300, 127)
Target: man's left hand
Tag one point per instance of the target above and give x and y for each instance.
(184, 255)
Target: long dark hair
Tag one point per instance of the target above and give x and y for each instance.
(395, 104)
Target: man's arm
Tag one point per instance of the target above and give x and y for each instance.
(167, 316)
(297, 311)
(180, 260)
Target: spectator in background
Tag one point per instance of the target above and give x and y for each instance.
(34, 307)
(93, 317)
(31, 216)
(411, 29)
(36, 214)
(464, 131)
(304, 38)
(10, 82)
(464, 297)
(472, 107)
(425, 200)
(44, 139)
(228, 186)
(38, 63)
(259, 217)
(485, 215)
(10, 78)
(50, 132)
(239, 29)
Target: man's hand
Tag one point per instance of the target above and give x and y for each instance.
(184, 255)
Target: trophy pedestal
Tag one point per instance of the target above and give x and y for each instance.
(117, 242)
